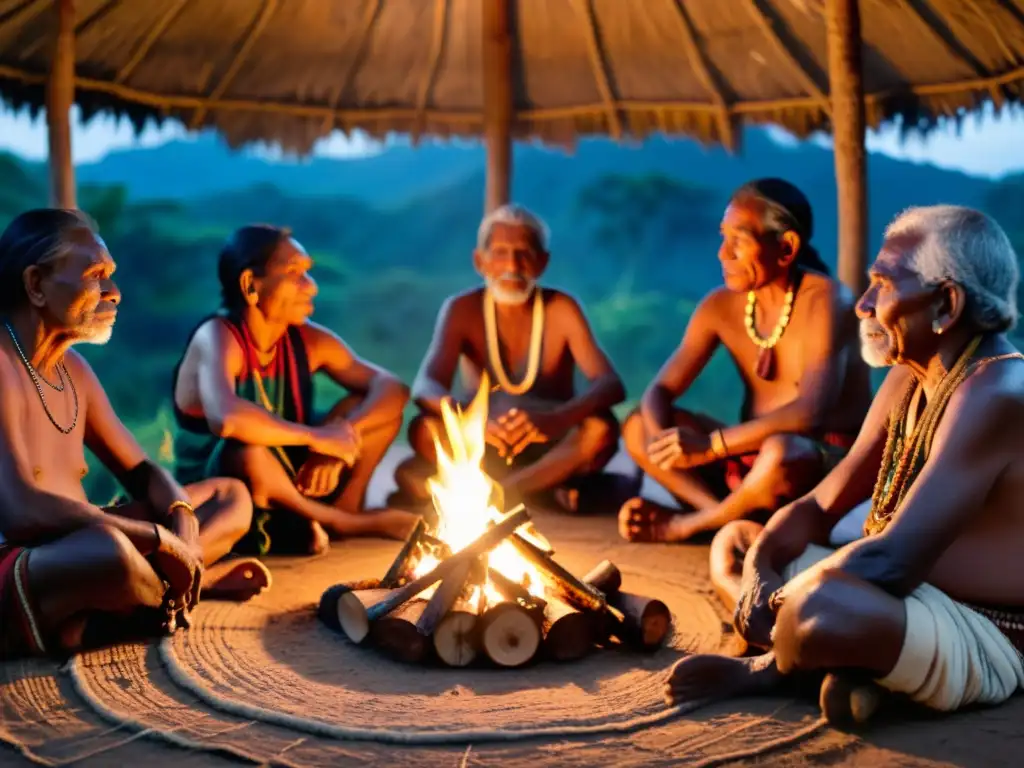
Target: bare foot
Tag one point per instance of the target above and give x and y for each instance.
(236, 579)
(568, 499)
(707, 677)
(642, 520)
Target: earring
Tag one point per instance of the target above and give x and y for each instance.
(937, 328)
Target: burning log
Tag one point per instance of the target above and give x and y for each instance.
(644, 621)
(510, 634)
(510, 590)
(397, 633)
(569, 633)
(327, 610)
(485, 542)
(444, 598)
(605, 577)
(398, 572)
(558, 579)
(455, 639)
(352, 611)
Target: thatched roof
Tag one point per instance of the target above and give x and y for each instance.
(291, 71)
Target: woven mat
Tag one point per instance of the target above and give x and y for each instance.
(130, 705)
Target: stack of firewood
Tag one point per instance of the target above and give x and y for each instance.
(457, 625)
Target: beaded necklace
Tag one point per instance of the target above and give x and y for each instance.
(904, 457)
(494, 351)
(765, 367)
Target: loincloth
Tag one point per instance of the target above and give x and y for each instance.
(831, 446)
(20, 633)
(953, 654)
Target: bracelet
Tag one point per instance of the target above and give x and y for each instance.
(180, 505)
(718, 447)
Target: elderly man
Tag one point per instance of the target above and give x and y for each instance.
(544, 438)
(243, 400)
(73, 574)
(791, 331)
(928, 603)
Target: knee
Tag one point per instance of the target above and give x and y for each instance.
(732, 542)
(234, 504)
(634, 435)
(421, 434)
(599, 436)
(774, 451)
(809, 624)
(118, 566)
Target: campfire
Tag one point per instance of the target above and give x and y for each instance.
(483, 584)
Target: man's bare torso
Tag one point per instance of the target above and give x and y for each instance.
(57, 460)
(555, 375)
(982, 564)
(847, 410)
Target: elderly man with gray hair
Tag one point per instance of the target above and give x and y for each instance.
(73, 574)
(545, 440)
(928, 602)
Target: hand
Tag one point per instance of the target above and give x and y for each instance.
(338, 440)
(755, 617)
(178, 565)
(680, 448)
(495, 435)
(525, 427)
(319, 475)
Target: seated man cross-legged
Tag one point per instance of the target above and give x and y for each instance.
(243, 400)
(545, 440)
(72, 574)
(791, 331)
(928, 603)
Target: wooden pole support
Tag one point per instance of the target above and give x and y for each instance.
(847, 95)
(497, 88)
(60, 95)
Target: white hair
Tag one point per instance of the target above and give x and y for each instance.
(970, 249)
(516, 215)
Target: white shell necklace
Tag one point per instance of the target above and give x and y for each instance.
(494, 352)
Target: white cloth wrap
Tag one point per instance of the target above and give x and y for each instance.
(951, 656)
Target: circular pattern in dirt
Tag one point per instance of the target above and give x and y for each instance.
(290, 663)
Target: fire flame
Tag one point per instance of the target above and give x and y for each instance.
(463, 495)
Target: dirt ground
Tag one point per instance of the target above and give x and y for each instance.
(266, 684)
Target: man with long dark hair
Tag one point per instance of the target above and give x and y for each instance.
(243, 400)
(790, 329)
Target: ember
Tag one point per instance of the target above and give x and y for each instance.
(484, 582)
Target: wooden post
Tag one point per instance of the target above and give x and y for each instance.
(497, 61)
(847, 94)
(60, 94)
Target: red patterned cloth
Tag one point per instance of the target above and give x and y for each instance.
(20, 633)
(832, 446)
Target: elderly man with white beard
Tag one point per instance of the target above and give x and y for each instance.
(928, 602)
(73, 574)
(544, 438)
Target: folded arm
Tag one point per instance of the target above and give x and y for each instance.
(826, 363)
(437, 371)
(28, 514)
(383, 393)
(684, 366)
(605, 385)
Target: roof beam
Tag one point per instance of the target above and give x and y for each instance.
(29, 9)
(925, 23)
(174, 7)
(768, 30)
(436, 50)
(258, 25)
(600, 67)
(703, 72)
(345, 81)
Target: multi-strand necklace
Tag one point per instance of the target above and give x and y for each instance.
(62, 374)
(904, 456)
(494, 351)
(765, 368)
